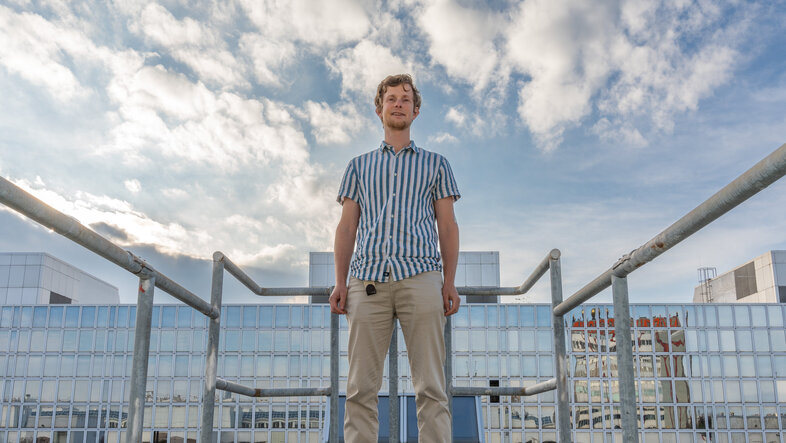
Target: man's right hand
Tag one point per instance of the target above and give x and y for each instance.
(338, 299)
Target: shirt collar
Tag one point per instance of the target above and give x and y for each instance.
(383, 146)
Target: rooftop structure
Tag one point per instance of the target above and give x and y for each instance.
(761, 280)
(37, 278)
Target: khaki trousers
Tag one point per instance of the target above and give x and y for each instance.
(417, 303)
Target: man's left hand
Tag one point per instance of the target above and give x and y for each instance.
(450, 299)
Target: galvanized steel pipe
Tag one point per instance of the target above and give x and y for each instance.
(560, 352)
(229, 386)
(627, 383)
(139, 364)
(211, 358)
(539, 271)
(333, 437)
(544, 386)
(393, 385)
(449, 367)
(761, 175)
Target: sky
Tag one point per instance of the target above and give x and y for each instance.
(179, 128)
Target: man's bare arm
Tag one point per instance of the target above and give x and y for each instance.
(344, 243)
(449, 248)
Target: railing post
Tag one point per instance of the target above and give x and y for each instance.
(449, 368)
(560, 353)
(333, 438)
(393, 385)
(144, 318)
(622, 327)
(211, 359)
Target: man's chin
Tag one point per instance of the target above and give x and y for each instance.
(397, 125)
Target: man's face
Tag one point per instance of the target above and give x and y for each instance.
(398, 107)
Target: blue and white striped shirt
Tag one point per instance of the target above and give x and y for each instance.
(396, 194)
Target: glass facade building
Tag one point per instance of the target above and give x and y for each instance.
(704, 372)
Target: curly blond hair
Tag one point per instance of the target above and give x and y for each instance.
(395, 80)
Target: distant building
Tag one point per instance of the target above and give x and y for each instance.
(475, 268)
(761, 280)
(40, 279)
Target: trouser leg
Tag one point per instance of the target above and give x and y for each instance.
(370, 319)
(418, 302)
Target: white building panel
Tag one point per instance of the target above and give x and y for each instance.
(461, 275)
(29, 278)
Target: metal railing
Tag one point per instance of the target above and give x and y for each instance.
(761, 175)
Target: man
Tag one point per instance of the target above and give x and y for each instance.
(391, 198)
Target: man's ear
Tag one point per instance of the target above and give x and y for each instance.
(379, 112)
(415, 113)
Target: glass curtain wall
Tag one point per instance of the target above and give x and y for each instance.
(703, 372)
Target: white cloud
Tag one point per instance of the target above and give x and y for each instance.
(191, 42)
(32, 47)
(442, 137)
(456, 115)
(462, 40)
(363, 66)
(335, 125)
(270, 58)
(619, 132)
(133, 185)
(164, 113)
(641, 65)
(320, 24)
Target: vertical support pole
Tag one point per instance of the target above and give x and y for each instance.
(622, 327)
(333, 438)
(211, 360)
(449, 368)
(560, 352)
(144, 318)
(393, 385)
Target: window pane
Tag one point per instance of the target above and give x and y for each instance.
(184, 314)
(232, 316)
(122, 317)
(265, 316)
(168, 317)
(39, 317)
(72, 317)
(232, 341)
(741, 316)
(282, 316)
(775, 316)
(544, 316)
(761, 340)
(85, 340)
(725, 317)
(167, 341)
(103, 317)
(88, 316)
(249, 316)
(461, 341)
(296, 316)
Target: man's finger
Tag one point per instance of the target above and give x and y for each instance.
(342, 303)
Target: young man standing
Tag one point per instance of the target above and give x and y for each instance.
(391, 198)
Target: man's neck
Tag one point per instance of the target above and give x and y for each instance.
(398, 139)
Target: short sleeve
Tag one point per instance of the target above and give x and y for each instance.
(349, 185)
(446, 184)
